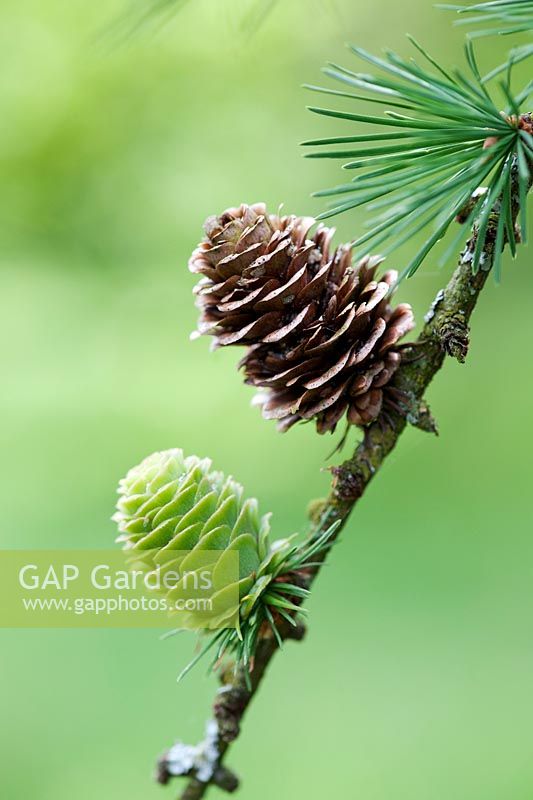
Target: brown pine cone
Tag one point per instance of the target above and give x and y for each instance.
(320, 333)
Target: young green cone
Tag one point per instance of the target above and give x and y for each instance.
(173, 508)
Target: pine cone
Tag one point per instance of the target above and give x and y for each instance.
(167, 495)
(320, 332)
(173, 510)
(178, 507)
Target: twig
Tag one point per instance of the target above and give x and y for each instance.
(446, 332)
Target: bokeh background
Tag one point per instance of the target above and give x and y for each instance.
(415, 682)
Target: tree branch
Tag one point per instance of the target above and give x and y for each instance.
(446, 332)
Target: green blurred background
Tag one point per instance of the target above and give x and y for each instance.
(415, 682)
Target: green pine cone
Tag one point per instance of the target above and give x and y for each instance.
(177, 508)
(173, 509)
(177, 503)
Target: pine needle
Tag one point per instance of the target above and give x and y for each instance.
(425, 168)
(502, 17)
